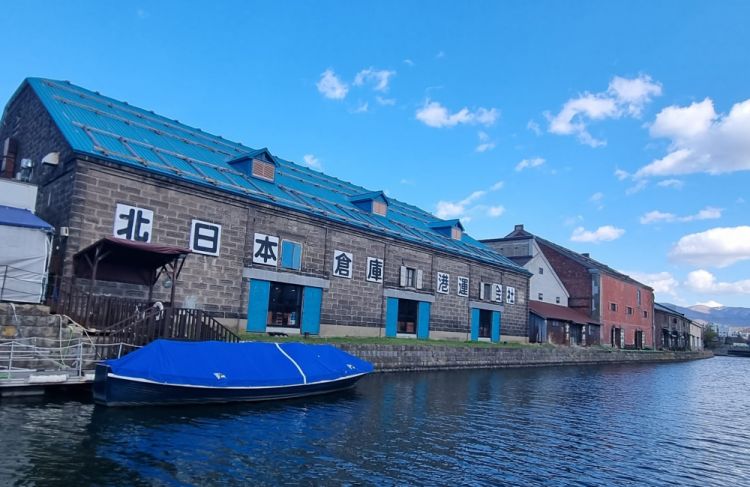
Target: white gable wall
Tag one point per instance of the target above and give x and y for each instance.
(547, 282)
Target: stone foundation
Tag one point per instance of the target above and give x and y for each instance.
(388, 358)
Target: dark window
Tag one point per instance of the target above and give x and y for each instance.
(557, 299)
(485, 323)
(407, 316)
(630, 310)
(645, 314)
(613, 306)
(541, 270)
(410, 277)
(284, 305)
(638, 295)
(541, 297)
(487, 291)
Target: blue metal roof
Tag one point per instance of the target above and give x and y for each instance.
(109, 129)
(19, 217)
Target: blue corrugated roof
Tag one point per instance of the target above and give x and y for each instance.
(105, 128)
(19, 217)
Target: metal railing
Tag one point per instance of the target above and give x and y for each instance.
(21, 357)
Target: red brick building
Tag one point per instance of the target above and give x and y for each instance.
(623, 306)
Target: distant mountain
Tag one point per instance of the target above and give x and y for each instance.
(724, 315)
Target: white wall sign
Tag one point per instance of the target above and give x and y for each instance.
(443, 284)
(265, 249)
(374, 269)
(132, 223)
(510, 295)
(462, 286)
(497, 293)
(342, 264)
(205, 237)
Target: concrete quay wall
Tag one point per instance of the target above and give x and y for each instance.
(392, 358)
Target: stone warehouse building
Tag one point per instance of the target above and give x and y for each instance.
(275, 246)
(618, 310)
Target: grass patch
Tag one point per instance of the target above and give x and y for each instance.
(262, 337)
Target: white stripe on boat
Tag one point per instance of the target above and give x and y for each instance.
(304, 377)
(148, 381)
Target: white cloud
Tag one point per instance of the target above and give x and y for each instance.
(408, 62)
(621, 175)
(529, 163)
(606, 233)
(385, 101)
(720, 247)
(330, 86)
(534, 127)
(624, 97)
(379, 77)
(485, 143)
(671, 183)
(702, 281)
(701, 141)
(662, 282)
(656, 216)
(572, 220)
(466, 207)
(711, 304)
(633, 94)
(637, 187)
(408, 182)
(495, 211)
(597, 199)
(362, 107)
(312, 162)
(436, 115)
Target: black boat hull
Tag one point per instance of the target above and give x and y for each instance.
(111, 390)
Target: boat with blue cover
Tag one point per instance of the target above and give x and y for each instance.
(180, 372)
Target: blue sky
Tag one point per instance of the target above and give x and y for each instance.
(616, 128)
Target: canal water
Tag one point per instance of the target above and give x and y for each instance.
(669, 424)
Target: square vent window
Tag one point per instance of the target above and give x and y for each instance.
(263, 170)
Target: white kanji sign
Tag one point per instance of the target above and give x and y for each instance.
(510, 295)
(342, 264)
(374, 269)
(132, 223)
(497, 293)
(265, 249)
(443, 284)
(462, 286)
(205, 237)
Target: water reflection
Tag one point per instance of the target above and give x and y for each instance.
(673, 424)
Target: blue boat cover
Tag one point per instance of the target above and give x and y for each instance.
(247, 364)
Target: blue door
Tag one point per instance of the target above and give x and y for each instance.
(474, 324)
(391, 316)
(423, 321)
(495, 334)
(312, 298)
(257, 306)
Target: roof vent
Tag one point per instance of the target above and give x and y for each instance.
(587, 255)
(449, 228)
(375, 202)
(258, 163)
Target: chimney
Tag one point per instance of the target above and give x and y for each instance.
(8, 167)
(587, 255)
(518, 228)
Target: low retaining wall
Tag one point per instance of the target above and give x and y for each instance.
(388, 358)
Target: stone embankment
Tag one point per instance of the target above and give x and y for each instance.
(388, 358)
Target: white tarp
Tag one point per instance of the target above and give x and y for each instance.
(24, 257)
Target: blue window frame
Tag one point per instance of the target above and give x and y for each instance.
(291, 255)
